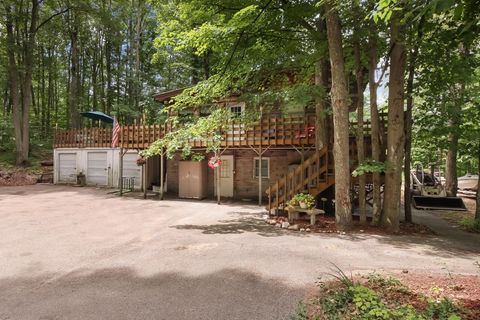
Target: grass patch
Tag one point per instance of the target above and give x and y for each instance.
(376, 298)
(470, 224)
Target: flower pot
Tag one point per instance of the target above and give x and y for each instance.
(303, 205)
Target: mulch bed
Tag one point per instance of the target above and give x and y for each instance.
(326, 224)
(420, 288)
(462, 289)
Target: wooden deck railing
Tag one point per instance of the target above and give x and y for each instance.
(312, 176)
(83, 138)
(277, 131)
(269, 131)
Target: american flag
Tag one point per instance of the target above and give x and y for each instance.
(115, 133)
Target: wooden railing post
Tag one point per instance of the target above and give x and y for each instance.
(269, 192)
(276, 195)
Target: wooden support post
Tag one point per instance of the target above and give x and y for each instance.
(277, 203)
(144, 185)
(303, 168)
(217, 172)
(270, 202)
(120, 174)
(260, 175)
(162, 186)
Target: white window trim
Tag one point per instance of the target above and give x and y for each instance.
(231, 105)
(268, 167)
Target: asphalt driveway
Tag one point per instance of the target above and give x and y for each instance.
(81, 253)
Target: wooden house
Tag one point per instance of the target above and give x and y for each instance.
(268, 162)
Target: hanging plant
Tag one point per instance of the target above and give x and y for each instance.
(214, 162)
(141, 161)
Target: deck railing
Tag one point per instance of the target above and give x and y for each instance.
(269, 131)
(83, 138)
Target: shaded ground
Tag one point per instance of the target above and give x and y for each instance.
(81, 253)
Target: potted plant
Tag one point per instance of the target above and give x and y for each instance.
(304, 200)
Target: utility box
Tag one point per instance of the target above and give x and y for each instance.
(192, 179)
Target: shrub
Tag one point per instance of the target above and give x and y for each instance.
(442, 310)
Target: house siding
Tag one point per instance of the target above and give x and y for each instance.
(245, 184)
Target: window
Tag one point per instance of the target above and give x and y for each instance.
(225, 169)
(237, 109)
(265, 167)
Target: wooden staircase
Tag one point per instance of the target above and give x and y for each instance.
(314, 175)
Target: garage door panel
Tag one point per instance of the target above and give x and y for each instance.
(97, 168)
(67, 171)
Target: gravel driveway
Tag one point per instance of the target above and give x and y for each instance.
(81, 253)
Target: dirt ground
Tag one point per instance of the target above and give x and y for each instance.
(17, 177)
(82, 253)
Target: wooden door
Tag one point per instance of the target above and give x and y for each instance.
(226, 176)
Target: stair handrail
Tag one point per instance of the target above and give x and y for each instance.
(305, 180)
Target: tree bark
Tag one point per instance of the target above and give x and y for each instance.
(339, 92)
(360, 134)
(477, 207)
(138, 54)
(20, 71)
(322, 72)
(451, 179)
(407, 201)
(321, 136)
(74, 87)
(14, 89)
(395, 130)
(375, 132)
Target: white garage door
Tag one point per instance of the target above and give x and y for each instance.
(131, 170)
(97, 169)
(67, 167)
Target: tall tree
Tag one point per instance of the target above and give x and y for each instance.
(340, 98)
(375, 123)
(21, 45)
(74, 85)
(395, 130)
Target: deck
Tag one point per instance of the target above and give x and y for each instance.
(271, 131)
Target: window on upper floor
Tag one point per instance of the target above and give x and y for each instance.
(237, 108)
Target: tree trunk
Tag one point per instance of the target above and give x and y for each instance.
(408, 137)
(322, 72)
(395, 130)
(477, 207)
(138, 54)
(451, 181)
(360, 134)
(339, 92)
(20, 74)
(375, 132)
(14, 89)
(451, 178)
(74, 88)
(321, 137)
(108, 59)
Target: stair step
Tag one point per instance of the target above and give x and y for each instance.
(321, 179)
